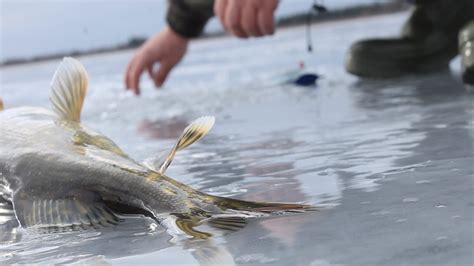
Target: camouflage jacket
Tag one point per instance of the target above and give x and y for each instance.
(188, 17)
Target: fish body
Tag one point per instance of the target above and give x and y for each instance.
(58, 173)
(46, 158)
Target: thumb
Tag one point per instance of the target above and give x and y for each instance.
(159, 76)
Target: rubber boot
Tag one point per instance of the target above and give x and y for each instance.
(466, 50)
(428, 42)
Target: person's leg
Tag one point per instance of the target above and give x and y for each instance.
(428, 42)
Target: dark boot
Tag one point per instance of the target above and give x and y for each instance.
(466, 50)
(429, 41)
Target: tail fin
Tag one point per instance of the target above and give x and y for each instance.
(256, 209)
(232, 218)
(1, 104)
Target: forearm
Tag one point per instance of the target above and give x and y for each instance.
(188, 17)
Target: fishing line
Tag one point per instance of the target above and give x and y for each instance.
(315, 9)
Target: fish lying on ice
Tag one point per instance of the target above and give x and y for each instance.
(57, 173)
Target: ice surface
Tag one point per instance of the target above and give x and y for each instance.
(390, 162)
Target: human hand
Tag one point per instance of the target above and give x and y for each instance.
(167, 47)
(245, 18)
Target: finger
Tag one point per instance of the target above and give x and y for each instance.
(266, 21)
(232, 19)
(249, 20)
(126, 75)
(134, 75)
(219, 9)
(130, 69)
(150, 70)
(160, 76)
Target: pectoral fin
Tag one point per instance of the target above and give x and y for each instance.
(228, 223)
(192, 133)
(188, 227)
(63, 213)
(68, 89)
(195, 225)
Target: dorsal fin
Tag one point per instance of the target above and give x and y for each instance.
(195, 131)
(68, 89)
(192, 133)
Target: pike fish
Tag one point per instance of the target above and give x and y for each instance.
(56, 173)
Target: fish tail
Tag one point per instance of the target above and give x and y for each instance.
(233, 216)
(253, 208)
(1, 104)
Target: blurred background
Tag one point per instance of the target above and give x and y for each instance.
(41, 28)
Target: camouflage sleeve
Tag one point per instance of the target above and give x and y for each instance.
(188, 17)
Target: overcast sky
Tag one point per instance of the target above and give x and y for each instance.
(30, 28)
